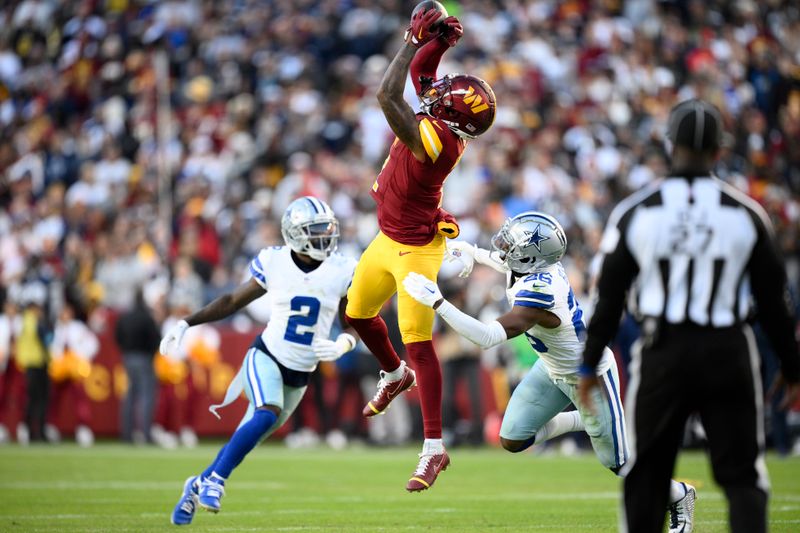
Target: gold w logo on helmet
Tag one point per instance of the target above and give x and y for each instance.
(475, 101)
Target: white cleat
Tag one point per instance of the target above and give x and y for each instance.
(23, 434)
(84, 436)
(52, 434)
(163, 438)
(188, 437)
(681, 513)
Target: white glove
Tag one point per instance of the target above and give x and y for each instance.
(328, 350)
(463, 251)
(172, 340)
(422, 289)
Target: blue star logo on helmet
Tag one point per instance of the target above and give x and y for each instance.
(535, 238)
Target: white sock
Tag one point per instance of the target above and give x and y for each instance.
(432, 446)
(395, 374)
(560, 424)
(676, 491)
(216, 478)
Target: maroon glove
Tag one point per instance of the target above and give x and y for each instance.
(422, 27)
(451, 31)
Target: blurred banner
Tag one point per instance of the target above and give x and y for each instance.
(187, 388)
(200, 387)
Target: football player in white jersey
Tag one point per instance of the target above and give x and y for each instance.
(308, 284)
(528, 249)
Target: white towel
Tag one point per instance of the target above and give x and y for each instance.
(233, 392)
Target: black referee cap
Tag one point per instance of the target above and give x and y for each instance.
(696, 124)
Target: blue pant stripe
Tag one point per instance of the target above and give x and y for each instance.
(615, 416)
(612, 410)
(252, 378)
(620, 415)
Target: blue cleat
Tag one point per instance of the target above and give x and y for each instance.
(211, 492)
(184, 511)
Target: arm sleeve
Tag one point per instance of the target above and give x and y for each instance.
(426, 61)
(484, 335)
(484, 257)
(617, 273)
(773, 301)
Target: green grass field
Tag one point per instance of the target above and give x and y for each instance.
(122, 489)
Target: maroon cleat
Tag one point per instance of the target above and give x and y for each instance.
(388, 391)
(427, 470)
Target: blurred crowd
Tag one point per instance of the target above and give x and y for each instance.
(153, 146)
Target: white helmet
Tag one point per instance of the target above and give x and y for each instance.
(530, 241)
(309, 227)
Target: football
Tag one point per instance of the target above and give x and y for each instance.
(431, 4)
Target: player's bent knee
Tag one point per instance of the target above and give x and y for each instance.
(274, 409)
(354, 311)
(354, 318)
(415, 337)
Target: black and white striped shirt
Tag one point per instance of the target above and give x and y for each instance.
(700, 252)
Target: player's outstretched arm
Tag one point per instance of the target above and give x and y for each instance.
(222, 307)
(512, 324)
(426, 62)
(227, 304)
(398, 113)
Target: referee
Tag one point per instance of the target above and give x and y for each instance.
(698, 253)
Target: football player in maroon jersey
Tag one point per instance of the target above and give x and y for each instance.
(413, 226)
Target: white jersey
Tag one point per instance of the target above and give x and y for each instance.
(561, 348)
(304, 304)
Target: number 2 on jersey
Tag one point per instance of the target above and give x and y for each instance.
(309, 308)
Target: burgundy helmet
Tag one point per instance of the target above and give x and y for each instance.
(465, 103)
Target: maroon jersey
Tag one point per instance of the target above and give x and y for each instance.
(409, 192)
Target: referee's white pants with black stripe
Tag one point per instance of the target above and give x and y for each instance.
(712, 372)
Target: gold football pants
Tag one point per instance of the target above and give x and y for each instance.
(380, 273)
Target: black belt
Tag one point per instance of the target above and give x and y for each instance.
(292, 378)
